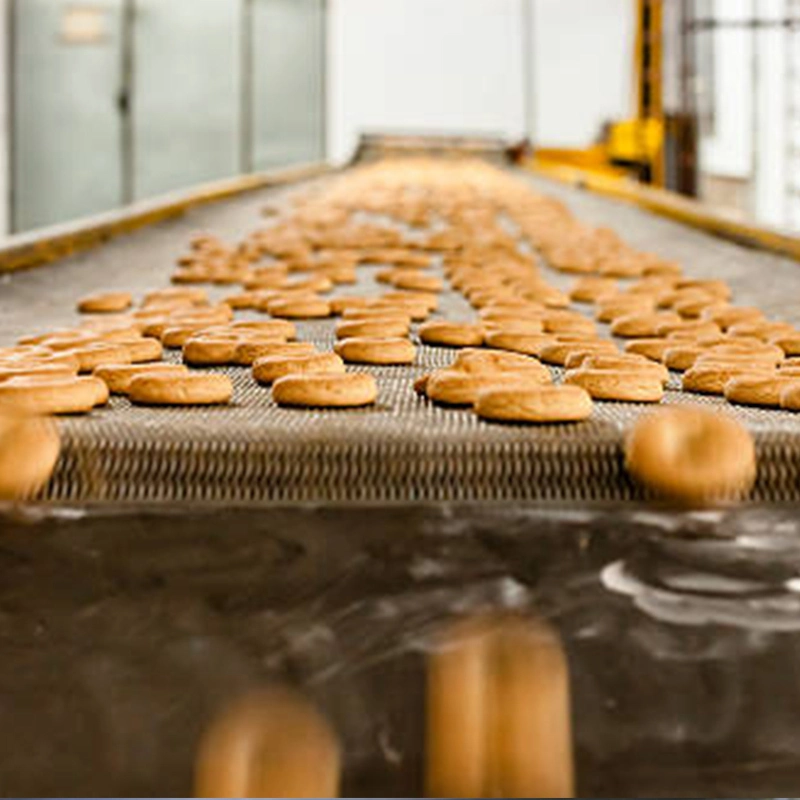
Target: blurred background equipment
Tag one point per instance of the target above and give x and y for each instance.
(117, 101)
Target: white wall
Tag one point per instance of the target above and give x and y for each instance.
(424, 65)
(583, 68)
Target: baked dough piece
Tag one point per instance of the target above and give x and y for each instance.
(271, 368)
(181, 390)
(118, 377)
(248, 353)
(347, 390)
(29, 450)
(106, 303)
(272, 743)
(47, 395)
(691, 455)
(378, 327)
(628, 385)
(368, 350)
(451, 334)
(545, 404)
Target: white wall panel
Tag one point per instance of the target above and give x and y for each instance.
(424, 65)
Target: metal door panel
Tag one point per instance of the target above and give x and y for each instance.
(187, 93)
(288, 82)
(66, 156)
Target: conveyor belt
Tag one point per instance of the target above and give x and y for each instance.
(405, 449)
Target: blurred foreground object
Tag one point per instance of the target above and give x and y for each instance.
(272, 743)
(692, 456)
(498, 711)
(29, 449)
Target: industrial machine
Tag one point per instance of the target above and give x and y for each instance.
(178, 558)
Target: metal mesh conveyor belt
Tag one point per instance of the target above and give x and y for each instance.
(404, 449)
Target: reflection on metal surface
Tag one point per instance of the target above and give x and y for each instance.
(748, 581)
(498, 712)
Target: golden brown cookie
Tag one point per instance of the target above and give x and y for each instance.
(99, 353)
(591, 289)
(760, 390)
(691, 455)
(458, 388)
(558, 352)
(210, 351)
(118, 377)
(181, 390)
(268, 369)
(106, 303)
(545, 404)
(370, 350)
(530, 344)
(484, 360)
(247, 353)
(376, 327)
(300, 308)
(642, 326)
(623, 385)
(347, 390)
(451, 334)
(711, 378)
(29, 450)
(45, 395)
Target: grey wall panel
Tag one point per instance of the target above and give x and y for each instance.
(288, 81)
(187, 93)
(66, 125)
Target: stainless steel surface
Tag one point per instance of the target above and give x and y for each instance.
(404, 449)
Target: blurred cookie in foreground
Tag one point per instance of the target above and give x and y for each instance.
(692, 456)
(29, 450)
(271, 743)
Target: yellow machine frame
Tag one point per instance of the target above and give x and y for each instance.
(634, 144)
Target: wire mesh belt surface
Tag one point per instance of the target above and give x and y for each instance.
(404, 448)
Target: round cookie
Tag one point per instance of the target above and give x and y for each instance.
(366, 350)
(758, 391)
(711, 378)
(378, 327)
(488, 361)
(691, 455)
(247, 353)
(181, 390)
(451, 334)
(142, 349)
(546, 404)
(210, 351)
(106, 303)
(347, 390)
(269, 369)
(559, 352)
(524, 343)
(300, 308)
(118, 377)
(454, 387)
(44, 395)
(29, 450)
(628, 385)
(272, 743)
